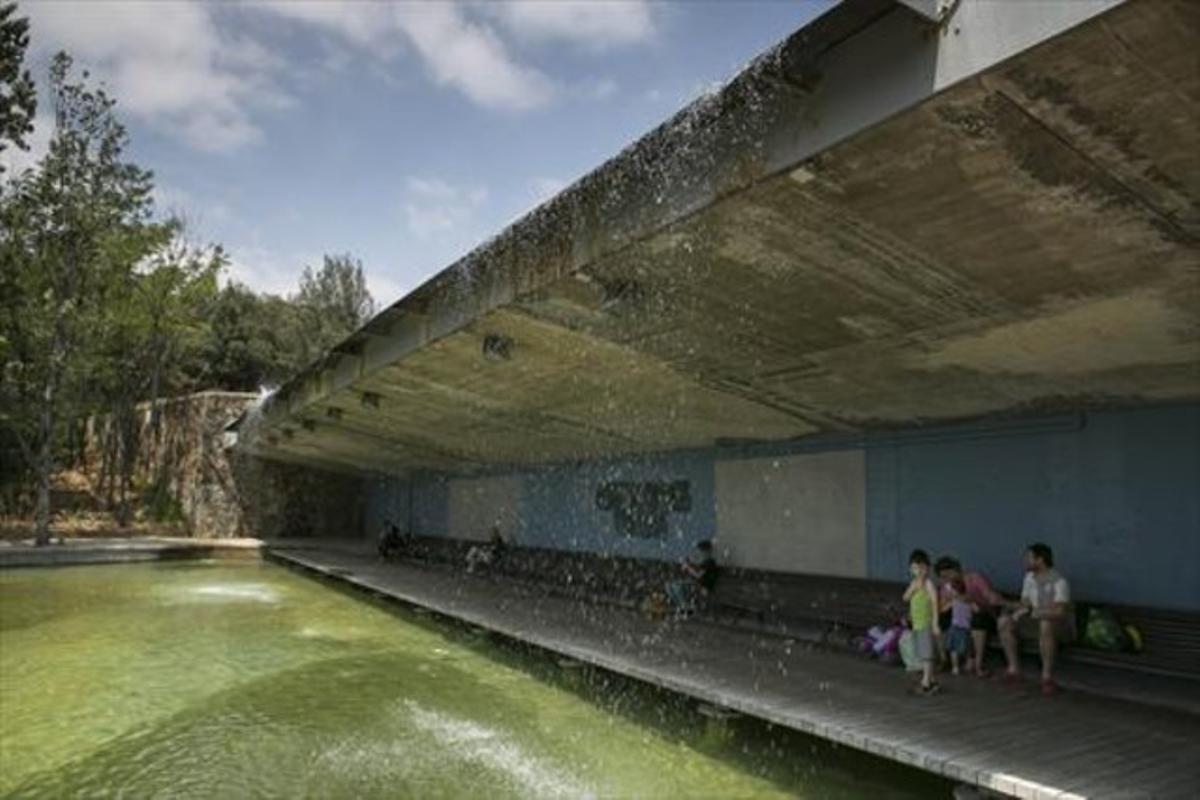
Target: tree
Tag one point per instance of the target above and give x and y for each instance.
(253, 341)
(153, 319)
(102, 307)
(333, 303)
(260, 340)
(68, 231)
(174, 295)
(18, 100)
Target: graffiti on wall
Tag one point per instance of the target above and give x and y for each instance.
(640, 508)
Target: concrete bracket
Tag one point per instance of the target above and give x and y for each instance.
(935, 12)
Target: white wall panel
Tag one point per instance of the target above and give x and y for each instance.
(476, 504)
(803, 513)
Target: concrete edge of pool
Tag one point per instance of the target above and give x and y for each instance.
(846, 735)
(121, 551)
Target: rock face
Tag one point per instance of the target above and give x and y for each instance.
(189, 472)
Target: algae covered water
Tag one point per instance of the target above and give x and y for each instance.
(186, 679)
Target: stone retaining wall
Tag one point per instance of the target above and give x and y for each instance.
(218, 491)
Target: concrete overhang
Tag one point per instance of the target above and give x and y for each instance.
(899, 216)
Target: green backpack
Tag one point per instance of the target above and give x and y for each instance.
(1104, 631)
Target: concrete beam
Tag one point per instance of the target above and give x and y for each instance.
(873, 60)
(879, 225)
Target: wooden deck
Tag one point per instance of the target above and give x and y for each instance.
(1014, 741)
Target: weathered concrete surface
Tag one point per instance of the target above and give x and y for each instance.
(880, 224)
(1075, 745)
(114, 551)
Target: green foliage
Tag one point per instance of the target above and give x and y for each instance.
(332, 303)
(160, 503)
(253, 340)
(262, 340)
(18, 100)
(69, 229)
(102, 306)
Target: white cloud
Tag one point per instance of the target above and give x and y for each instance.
(266, 271)
(470, 57)
(168, 64)
(433, 206)
(363, 23)
(595, 24)
(184, 68)
(457, 50)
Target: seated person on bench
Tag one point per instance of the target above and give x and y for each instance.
(985, 604)
(1044, 613)
(392, 541)
(484, 555)
(700, 578)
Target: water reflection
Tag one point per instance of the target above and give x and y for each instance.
(234, 681)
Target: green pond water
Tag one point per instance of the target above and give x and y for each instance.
(185, 679)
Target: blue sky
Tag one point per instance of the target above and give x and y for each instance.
(403, 133)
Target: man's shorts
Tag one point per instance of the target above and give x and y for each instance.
(1030, 628)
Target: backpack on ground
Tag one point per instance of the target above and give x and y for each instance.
(1103, 631)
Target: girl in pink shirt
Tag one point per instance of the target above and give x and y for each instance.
(984, 601)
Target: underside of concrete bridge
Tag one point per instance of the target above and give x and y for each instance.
(908, 213)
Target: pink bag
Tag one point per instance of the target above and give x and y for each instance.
(889, 643)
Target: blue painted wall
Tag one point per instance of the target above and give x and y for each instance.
(386, 499)
(430, 501)
(558, 507)
(1115, 494)
(1116, 499)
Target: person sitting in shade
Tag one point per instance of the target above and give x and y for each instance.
(485, 555)
(985, 604)
(1044, 612)
(699, 581)
(392, 541)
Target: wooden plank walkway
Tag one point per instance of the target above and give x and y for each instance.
(1075, 745)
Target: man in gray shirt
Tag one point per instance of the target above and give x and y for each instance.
(1044, 613)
